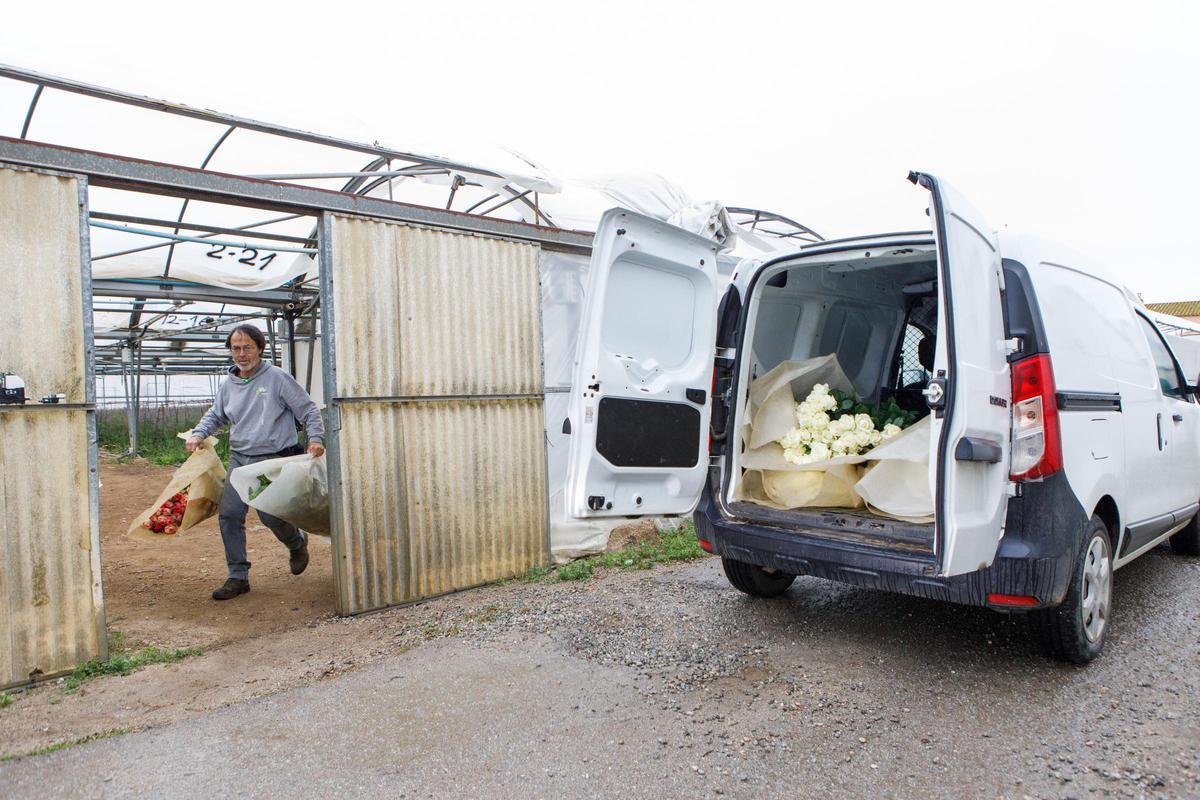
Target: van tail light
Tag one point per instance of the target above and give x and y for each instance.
(1036, 443)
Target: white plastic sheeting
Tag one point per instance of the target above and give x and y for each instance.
(564, 285)
(191, 264)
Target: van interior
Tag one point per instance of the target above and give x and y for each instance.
(877, 310)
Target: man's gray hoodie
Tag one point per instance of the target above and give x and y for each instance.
(262, 411)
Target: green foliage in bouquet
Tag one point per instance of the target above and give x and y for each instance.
(887, 414)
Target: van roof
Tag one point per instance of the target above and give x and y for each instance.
(1032, 251)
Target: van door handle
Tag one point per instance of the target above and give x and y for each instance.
(1158, 422)
(970, 448)
(1177, 417)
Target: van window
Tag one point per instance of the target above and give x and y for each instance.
(1164, 362)
(911, 370)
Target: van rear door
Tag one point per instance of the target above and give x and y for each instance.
(641, 399)
(971, 391)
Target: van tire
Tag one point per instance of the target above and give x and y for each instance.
(1076, 630)
(1187, 541)
(754, 580)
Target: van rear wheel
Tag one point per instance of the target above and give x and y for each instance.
(754, 580)
(1187, 541)
(1076, 630)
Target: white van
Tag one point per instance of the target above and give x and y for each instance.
(1064, 438)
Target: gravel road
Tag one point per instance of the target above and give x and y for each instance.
(670, 684)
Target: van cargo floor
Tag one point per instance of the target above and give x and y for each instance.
(862, 527)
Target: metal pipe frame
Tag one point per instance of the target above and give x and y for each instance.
(141, 101)
(195, 226)
(383, 154)
(239, 229)
(178, 237)
(155, 178)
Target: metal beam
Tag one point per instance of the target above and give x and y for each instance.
(147, 176)
(197, 293)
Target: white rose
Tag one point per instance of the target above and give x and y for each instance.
(819, 421)
(889, 430)
(819, 452)
(864, 423)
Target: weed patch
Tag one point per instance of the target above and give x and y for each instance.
(6, 699)
(41, 751)
(579, 570)
(122, 661)
(676, 545)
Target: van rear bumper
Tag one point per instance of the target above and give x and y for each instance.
(1029, 562)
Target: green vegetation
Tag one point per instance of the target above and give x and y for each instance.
(158, 432)
(676, 545)
(6, 699)
(263, 483)
(888, 413)
(123, 661)
(431, 630)
(41, 751)
(579, 570)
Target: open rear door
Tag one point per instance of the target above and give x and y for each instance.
(971, 391)
(640, 402)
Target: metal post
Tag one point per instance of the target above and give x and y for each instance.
(130, 401)
(271, 334)
(312, 346)
(290, 321)
(136, 396)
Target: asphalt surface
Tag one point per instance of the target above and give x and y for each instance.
(671, 684)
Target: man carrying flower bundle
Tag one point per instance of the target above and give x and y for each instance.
(262, 404)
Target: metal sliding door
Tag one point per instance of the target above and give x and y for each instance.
(433, 376)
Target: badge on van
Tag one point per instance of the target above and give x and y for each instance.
(998, 401)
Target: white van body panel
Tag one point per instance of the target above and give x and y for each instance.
(643, 370)
(1098, 345)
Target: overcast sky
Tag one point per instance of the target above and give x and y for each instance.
(1077, 121)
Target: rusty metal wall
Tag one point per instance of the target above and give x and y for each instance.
(51, 605)
(434, 370)
(429, 313)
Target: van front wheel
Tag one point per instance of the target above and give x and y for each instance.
(1075, 631)
(754, 580)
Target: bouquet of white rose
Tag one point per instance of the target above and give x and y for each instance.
(831, 424)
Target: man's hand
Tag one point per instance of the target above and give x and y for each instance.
(193, 444)
(316, 449)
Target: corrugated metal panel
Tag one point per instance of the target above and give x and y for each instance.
(51, 607)
(439, 463)
(41, 329)
(439, 496)
(1180, 308)
(49, 620)
(428, 313)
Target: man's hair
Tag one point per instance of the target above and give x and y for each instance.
(247, 330)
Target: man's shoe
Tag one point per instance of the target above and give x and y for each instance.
(298, 560)
(232, 588)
